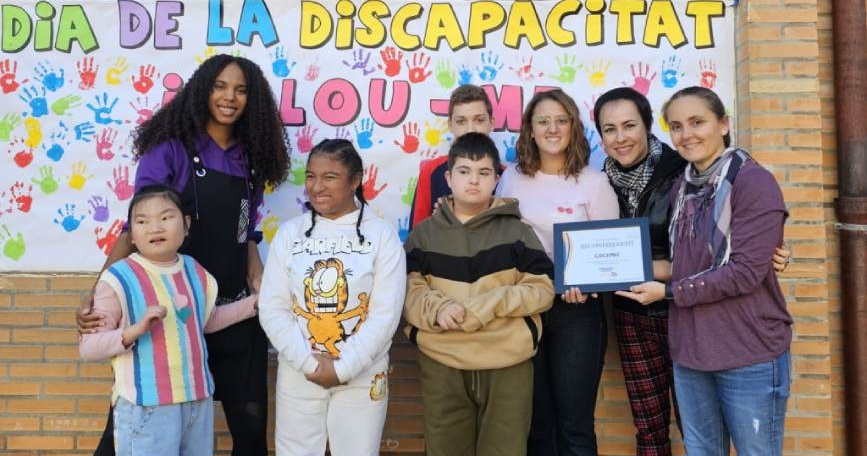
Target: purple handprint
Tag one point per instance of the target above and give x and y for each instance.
(98, 208)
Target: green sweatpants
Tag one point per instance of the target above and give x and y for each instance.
(476, 412)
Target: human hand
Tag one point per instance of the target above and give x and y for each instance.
(574, 296)
(88, 321)
(645, 293)
(151, 317)
(450, 316)
(325, 375)
(782, 256)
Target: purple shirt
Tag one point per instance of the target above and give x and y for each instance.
(735, 315)
(168, 164)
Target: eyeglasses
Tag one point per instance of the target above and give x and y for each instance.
(559, 121)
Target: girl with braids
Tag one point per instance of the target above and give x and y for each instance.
(218, 143)
(331, 299)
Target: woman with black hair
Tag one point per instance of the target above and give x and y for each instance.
(331, 299)
(218, 143)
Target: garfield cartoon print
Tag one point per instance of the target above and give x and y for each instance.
(326, 297)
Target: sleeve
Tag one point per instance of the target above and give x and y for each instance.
(422, 302)
(758, 214)
(604, 204)
(229, 314)
(532, 292)
(275, 308)
(421, 201)
(108, 339)
(386, 301)
(162, 165)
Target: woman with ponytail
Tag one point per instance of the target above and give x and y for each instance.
(331, 299)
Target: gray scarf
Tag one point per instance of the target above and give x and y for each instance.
(630, 183)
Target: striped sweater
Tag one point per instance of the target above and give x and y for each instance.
(496, 267)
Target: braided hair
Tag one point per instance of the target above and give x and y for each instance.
(344, 153)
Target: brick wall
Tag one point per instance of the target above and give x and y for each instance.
(50, 403)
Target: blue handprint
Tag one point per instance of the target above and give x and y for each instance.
(48, 76)
(364, 135)
(511, 150)
(280, 66)
(491, 65)
(99, 208)
(58, 140)
(68, 219)
(465, 75)
(102, 110)
(84, 131)
(671, 71)
(35, 97)
(597, 156)
(403, 229)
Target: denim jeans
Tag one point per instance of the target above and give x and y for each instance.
(566, 376)
(746, 405)
(185, 429)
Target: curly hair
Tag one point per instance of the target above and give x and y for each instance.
(259, 129)
(578, 150)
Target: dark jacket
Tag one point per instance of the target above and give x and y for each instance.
(655, 204)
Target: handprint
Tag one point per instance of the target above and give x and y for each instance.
(299, 172)
(409, 194)
(64, 104)
(663, 125)
(145, 80)
(391, 59)
(13, 246)
(597, 71)
(112, 76)
(47, 183)
(269, 227)
(8, 68)
(342, 133)
(144, 111)
(410, 137)
(433, 134)
(511, 149)
(22, 197)
(589, 107)
(420, 62)
(312, 72)
(120, 185)
(708, 73)
(305, 138)
(302, 203)
(364, 135)
(84, 131)
(48, 76)
(597, 156)
(87, 73)
(7, 125)
(102, 109)
(360, 61)
(280, 66)
(671, 71)
(69, 220)
(21, 154)
(641, 82)
(369, 185)
(524, 71)
(465, 75)
(210, 51)
(105, 243)
(58, 141)
(79, 176)
(33, 128)
(446, 76)
(491, 65)
(104, 143)
(429, 153)
(98, 208)
(35, 97)
(6, 206)
(568, 66)
(403, 228)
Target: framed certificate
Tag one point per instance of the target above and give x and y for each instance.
(605, 255)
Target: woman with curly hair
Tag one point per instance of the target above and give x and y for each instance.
(219, 142)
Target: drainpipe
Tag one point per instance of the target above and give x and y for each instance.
(850, 95)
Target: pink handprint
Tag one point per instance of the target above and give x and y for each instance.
(391, 59)
(104, 143)
(144, 111)
(120, 185)
(420, 62)
(589, 108)
(105, 243)
(410, 137)
(305, 138)
(369, 185)
(312, 72)
(145, 81)
(8, 68)
(641, 82)
(87, 73)
(708, 73)
(525, 70)
(22, 198)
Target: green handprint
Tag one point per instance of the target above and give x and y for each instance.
(64, 104)
(47, 184)
(407, 197)
(7, 124)
(446, 76)
(14, 246)
(568, 67)
(299, 172)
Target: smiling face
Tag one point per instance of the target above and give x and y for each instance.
(228, 97)
(551, 128)
(624, 134)
(158, 228)
(470, 117)
(330, 187)
(696, 132)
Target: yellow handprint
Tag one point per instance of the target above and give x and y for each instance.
(662, 123)
(113, 75)
(210, 51)
(34, 132)
(433, 133)
(79, 177)
(597, 71)
(269, 227)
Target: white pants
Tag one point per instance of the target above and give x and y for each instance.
(349, 417)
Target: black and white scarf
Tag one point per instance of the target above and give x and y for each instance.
(631, 182)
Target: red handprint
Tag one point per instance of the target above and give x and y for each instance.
(22, 197)
(305, 138)
(391, 59)
(87, 73)
(105, 243)
(104, 143)
(8, 68)
(145, 81)
(525, 70)
(3, 202)
(121, 186)
(410, 137)
(369, 185)
(708, 73)
(641, 83)
(420, 61)
(22, 155)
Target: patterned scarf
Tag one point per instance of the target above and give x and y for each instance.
(709, 189)
(631, 182)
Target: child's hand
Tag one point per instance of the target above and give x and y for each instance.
(574, 296)
(450, 316)
(325, 375)
(151, 316)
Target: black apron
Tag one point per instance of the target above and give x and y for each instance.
(219, 205)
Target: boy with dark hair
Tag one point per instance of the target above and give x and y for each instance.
(478, 280)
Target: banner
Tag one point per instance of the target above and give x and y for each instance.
(77, 77)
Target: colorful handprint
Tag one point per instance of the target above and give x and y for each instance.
(21, 196)
(69, 220)
(47, 183)
(87, 72)
(418, 69)
(120, 184)
(369, 184)
(145, 80)
(641, 81)
(115, 71)
(410, 137)
(106, 242)
(304, 137)
(391, 58)
(98, 208)
(104, 144)
(13, 246)
(79, 176)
